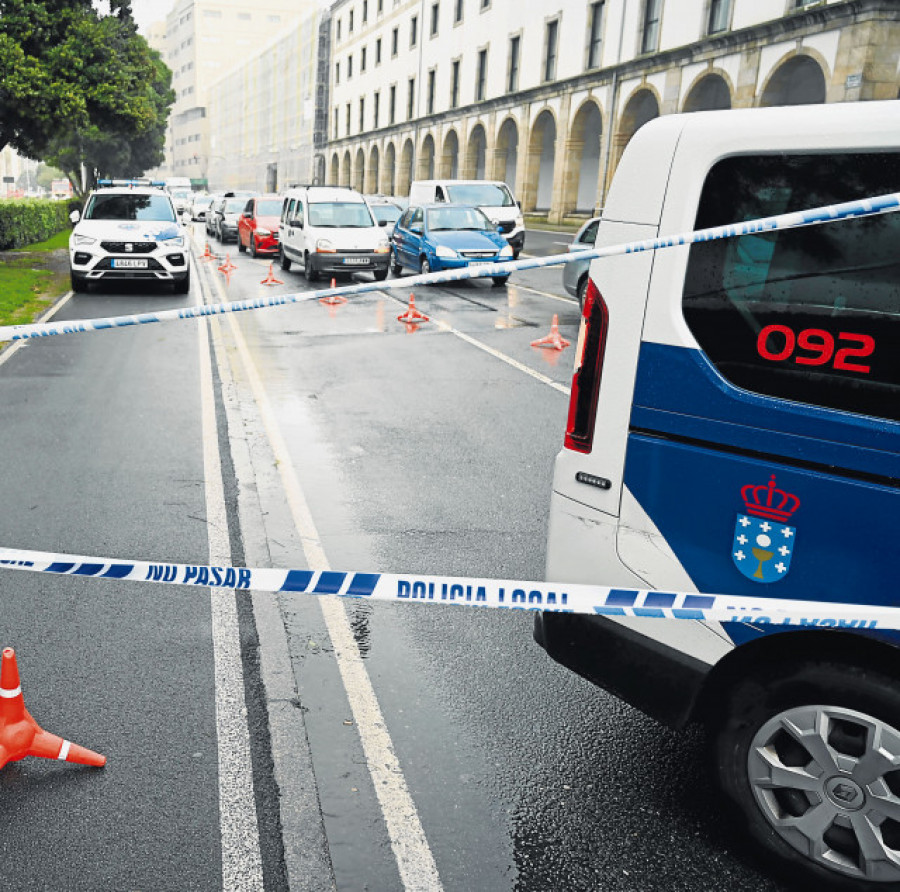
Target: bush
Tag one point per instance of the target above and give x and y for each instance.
(24, 222)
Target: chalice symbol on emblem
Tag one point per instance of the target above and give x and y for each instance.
(762, 554)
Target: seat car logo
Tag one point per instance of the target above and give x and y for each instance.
(129, 246)
(844, 792)
(763, 542)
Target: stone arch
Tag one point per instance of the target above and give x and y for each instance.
(581, 179)
(642, 106)
(359, 170)
(539, 163)
(450, 156)
(476, 154)
(425, 168)
(334, 174)
(346, 172)
(405, 177)
(389, 174)
(797, 80)
(506, 153)
(372, 171)
(708, 93)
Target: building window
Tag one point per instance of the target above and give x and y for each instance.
(650, 34)
(362, 113)
(718, 15)
(365, 11)
(395, 37)
(458, 12)
(392, 105)
(349, 67)
(338, 34)
(376, 102)
(595, 21)
(413, 30)
(337, 72)
(244, 16)
(435, 12)
(454, 84)
(485, 4)
(430, 102)
(350, 22)
(512, 74)
(411, 99)
(362, 60)
(378, 51)
(551, 38)
(380, 7)
(481, 76)
(348, 119)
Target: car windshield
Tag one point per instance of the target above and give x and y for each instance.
(340, 214)
(181, 193)
(388, 212)
(457, 218)
(271, 207)
(485, 195)
(234, 205)
(130, 206)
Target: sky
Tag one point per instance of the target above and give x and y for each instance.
(148, 11)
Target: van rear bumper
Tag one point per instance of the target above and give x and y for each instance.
(661, 681)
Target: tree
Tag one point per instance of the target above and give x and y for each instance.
(79, 87)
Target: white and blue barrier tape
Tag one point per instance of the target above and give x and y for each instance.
(861, 208)
(501, 594)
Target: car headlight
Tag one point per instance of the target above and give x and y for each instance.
(506, 251)
(82, 239)
(444, 251)
(176, 242)
(264, 233)
(323, 246)
(383, 247)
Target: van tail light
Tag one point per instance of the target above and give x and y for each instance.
(589, 355)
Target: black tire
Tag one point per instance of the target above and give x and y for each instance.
(838, 705)
(79, 285)
(253, 252)
(500, 281)
(285, 260)
(240, 244)
(424, 266)
(380, 275)
(582, 290)
(396, 267)
(182, 286)
(311, 273)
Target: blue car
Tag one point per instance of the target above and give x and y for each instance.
(447, 236)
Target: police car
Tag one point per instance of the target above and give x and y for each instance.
(129, 231)
(734, 427)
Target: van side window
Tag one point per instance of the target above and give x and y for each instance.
(812, 314)
(439, 194)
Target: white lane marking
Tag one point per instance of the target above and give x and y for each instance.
(11, 351)
(415, 861)
(559, 297)
(241, 858)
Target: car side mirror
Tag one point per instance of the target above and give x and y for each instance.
(248, 214)
(416, 228)
(75, 216)
(297, 222)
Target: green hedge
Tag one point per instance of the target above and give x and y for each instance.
(26, 221)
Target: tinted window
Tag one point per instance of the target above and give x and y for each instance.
(589, 234)
(809, 314)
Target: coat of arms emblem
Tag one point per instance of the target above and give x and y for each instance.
(763, 540)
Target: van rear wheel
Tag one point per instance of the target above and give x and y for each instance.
(810, 756)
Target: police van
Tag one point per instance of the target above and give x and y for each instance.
(734, 427)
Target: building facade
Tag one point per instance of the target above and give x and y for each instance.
(546, 96)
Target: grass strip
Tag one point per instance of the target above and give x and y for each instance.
(31, 279)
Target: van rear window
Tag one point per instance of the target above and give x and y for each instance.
(810, 315)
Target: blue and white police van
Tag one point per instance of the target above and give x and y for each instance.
(734, 427)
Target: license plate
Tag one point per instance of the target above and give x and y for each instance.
(481, 263)
(356, 261)
(129, 263)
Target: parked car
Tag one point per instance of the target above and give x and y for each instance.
(199, 206)
(215, 204)
(258, 225)
(128, 232)
(226, 213)
(734, 428)
(447, 236)
(575, 274)
(386, 212)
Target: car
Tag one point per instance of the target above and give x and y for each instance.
(181, 198)
(200, 206)
(330, 230)
(217, 201)
(226, 213)
(385, 210)
(447, 236)
(734, 428)
(258, 225)
(128, 232)
(575, 273)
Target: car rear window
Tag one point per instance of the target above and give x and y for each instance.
(811, 314)
(271, 207)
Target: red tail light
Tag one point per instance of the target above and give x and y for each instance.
(588, 371)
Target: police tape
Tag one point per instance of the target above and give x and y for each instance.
(829, 213)
(500, 594)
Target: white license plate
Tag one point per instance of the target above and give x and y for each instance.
(481, 263)
(129, 263)
(356, 261)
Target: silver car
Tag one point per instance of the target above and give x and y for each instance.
(575, 274)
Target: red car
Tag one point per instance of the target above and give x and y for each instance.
(258, 225)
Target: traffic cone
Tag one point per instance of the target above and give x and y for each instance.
(207, 255)
(333, 300)
(270, 278)
(412, 314)
(20, 734)
(227, 267)
(554, 340)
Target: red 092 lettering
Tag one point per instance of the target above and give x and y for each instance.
(818, 347)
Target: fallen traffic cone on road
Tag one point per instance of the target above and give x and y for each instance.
(554, 340)
(412, 314)
(20, 734)
(270, 278)
(332, 300)
(227, 267)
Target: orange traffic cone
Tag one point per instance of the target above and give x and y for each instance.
(207, 254)
(332, 300)
(20, 734)
(554, 340)
(412, 314)
(227, 267)
(270, 278)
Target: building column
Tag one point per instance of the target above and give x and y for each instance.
(748, 74)
(558, 201)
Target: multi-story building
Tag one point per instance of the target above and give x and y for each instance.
(203, 41)
(546, 95)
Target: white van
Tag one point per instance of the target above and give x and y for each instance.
(734, 427)
(491, 196)
(330, 231)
